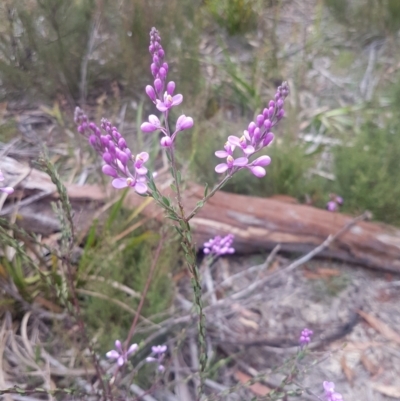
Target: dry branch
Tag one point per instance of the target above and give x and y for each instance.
(259, 224)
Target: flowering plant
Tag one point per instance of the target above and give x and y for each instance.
(128, 170)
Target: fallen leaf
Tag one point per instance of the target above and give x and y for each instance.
(256, 388)
(390, 391)
(380, 326)
(369, 365)
(348, 372)
(249, 323)
(321, 273)
(48, 304)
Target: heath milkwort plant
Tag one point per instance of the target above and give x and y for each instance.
(127, 168)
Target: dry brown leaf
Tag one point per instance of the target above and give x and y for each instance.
(321, 273)
(380, 326)
(369, 365)
(48, 304)
(256, 388)
(390, 391)
(249, 323)
(348, 372)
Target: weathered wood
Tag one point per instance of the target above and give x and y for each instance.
(258, 223)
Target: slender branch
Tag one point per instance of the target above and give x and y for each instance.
(145, 290)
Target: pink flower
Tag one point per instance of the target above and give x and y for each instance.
(157, 355)
(137, 185)
(169, 101)
(7, 190)
(256, 166)
(219, 245)
(231, 163)
(331, 206)
(330, 394)
(305, 337)
(242, 144)
(151, 126)
(227, 152)
(183, 123)
(119, 354)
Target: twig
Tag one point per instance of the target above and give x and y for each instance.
(145, 290)
(251, 288)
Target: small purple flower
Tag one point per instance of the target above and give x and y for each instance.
(335, 202)
(219, 245)
(256, 167)
(153, 124)
(157, 355)
(242, 144)
(339, 200)
(227, 152)
(305, 337)
(7, 190)
(330, 394)
(183, 123)
(168, 102)
(119, 354)
(231, 163)
(331, 206)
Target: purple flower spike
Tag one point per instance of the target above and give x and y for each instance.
(257, 136)
(305, 337)
(219, 246)
(151, 126)
(7, 190)
(330, 394)
(119, 354)
(157, 355)
(126, 170)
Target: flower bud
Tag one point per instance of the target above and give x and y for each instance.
(107, 157)
(151, 93)
(108, 170)
(252, 126)
(122, 157)
(259, 120)
(268, 138)
(267, 124)
(122, 143)
(158, 85)
(171, 88)
(163, 73)
(166, 142)
(93, 140)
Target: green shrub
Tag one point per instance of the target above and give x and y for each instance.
(368, 173)
(236, 16)
(47, 46)
(372, 17)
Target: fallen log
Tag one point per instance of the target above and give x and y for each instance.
(259, 224)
